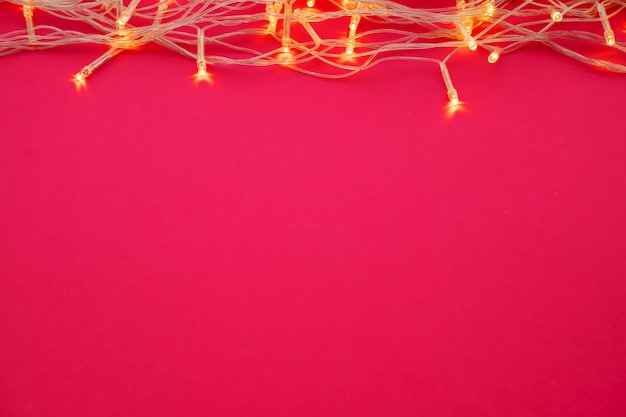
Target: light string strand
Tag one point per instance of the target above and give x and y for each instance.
(298, 35)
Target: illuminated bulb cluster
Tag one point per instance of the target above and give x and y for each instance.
(259, 33)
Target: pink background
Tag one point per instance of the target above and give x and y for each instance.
(280, 245)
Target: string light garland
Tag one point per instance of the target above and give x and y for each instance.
(325, 38)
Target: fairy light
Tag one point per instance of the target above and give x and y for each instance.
(468, 22)
(27, 11)
(355, 19)
(303, 41)
(556, 15)
(286, 40)
(126, 14)
(453, 95)
(609, 35)
(202, 74)
(467, 38)
(81, 76)
(494, 56)
(273, 9)
(490, 9)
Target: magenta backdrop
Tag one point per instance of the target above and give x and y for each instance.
(280, 245)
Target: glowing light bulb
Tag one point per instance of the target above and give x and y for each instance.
(493, 57)
(124, 15)
(609, 35)
(354, 22)
(310, 3)
(353, 26)
(350, 46)
(467, 22)
(453, 95)
(81, 76)
(30, 27)
(202, 73)
(272, 10)
(286, 40)
(121, 22)
(490, 9)
(469, 40)
(27, 11)
(556, 15)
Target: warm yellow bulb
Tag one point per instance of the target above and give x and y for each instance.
(490, 11)
(81, 77)
(469, 25)
(609, 37)
(454, 97)
(310, 3)
(350, 47)
(493, 57)
(121, 22)
(27, 11)
(556, 16)
(472, 45)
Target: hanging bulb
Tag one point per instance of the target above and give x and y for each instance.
(202, 74)
(286, 40)
(310, 3)
(30, 27)
(609, 35)
(453, 95)
(355, 19)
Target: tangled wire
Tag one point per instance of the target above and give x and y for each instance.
(334, 38)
